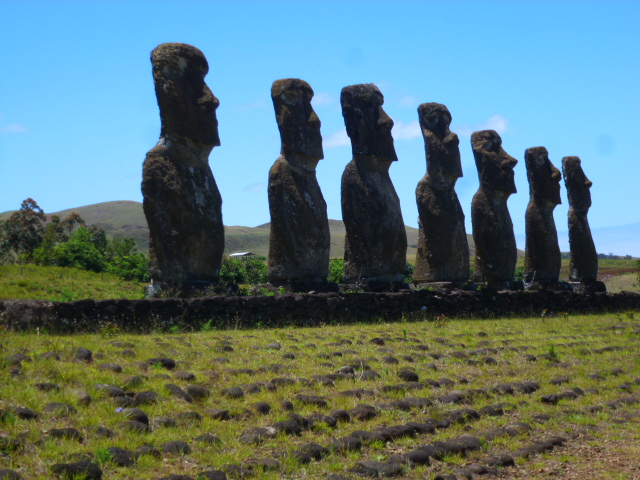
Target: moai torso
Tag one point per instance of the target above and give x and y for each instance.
(583, 266)
(376, 239)
(443, 250)
(299, 241)
(542, 253)
(495, 243)
(182, 203)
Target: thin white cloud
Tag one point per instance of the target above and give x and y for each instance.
(337, 139)
(409, 101)
(402, 131)
(258, 104)
(323, 99)
(13, 129)
(496, 122)
(255, 187)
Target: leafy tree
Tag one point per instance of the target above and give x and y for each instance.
(23, 232)
(124, 260)
(80, 252)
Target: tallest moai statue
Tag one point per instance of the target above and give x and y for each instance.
(376, 240)
(181, 200)
(299, 241)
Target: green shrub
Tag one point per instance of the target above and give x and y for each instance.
(251, 271)
(408, 273)
(79, 252)
(336, 270)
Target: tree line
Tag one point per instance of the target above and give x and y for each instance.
(27, 237)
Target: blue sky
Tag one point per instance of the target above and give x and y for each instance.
(78, 111)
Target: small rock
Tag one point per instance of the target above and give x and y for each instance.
(80, 470)
(176, 447)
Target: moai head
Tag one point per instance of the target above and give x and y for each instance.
(298, 124)
(544, 178)
(495, 166)
(434, 122)
(187, 106)
(577, 184)
(368, 125)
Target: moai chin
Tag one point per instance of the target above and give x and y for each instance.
(182, 203)
(376, 240)
(299, 241)
(443, 250)
(542, 253)
(496, 252)
(583, 265)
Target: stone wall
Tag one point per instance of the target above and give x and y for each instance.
(298, 310)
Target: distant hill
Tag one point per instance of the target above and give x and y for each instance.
(125, 218)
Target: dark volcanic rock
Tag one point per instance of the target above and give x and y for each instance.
(299, 240)
(496, 252)
(109, 390)
(176, 447)
(167, 363)
(66, 433)
(83, 355)
(25, 413)
(376, 240)
(59, 409)
(121, 457)
(583, 264)
(79, 470)
(542, 253)
(212, 475)
(182, 203)
(135, 414)
(443, 250)
(176, 391)
(6, 474)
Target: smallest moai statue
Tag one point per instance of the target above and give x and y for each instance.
(443, 251)
(542, 254)
(583, 266)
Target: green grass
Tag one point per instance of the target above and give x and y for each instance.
(63, 284)
(574, 340)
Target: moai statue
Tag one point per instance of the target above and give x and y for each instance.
(299, 241)
(583, 266)
(182, 203)
(376, 239)
(496, 252)
(542, 253)
(443, 250)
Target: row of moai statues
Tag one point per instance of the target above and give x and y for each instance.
(183, 206)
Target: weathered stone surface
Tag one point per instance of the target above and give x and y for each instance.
(496, 252)
(182, 203)
(376, 240)
(299, 241)
(583, 266)
(542, 253)
(443, 250)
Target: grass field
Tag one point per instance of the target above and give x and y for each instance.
(68, 284)
(63, 284)
(534, 398)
